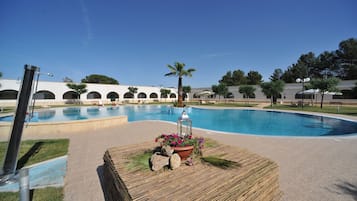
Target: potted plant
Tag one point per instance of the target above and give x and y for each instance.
(182, 145)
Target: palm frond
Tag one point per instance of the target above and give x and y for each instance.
(173, 71)
(171, 74)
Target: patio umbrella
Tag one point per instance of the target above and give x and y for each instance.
(316, 91)
(204, 93)
(309, 91)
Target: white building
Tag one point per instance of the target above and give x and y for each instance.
(291, 94)
(57, 93)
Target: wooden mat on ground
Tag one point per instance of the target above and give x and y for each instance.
(256, 178)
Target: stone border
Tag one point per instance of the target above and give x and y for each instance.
(66, 126)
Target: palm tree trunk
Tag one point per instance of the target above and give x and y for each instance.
(179, 98)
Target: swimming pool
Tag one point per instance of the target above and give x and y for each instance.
(256, 122)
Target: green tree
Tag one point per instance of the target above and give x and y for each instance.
(238, 78)
(254, 78)
(186, 90)
(326, 65)
(247, 91)
(0, 77)
(273, 90)
(100, 79)
(178, 70)
(227, 79)
(133, 90)
(234, 79)
(215, 89)
(304, 67)
(354, 91)
(347, 59)
(288, 76)
(78, 88)
(324, 85)
(221, 89)
(164, 93)
(277, 75)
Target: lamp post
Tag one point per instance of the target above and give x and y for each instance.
(302, 81)
(36, 86)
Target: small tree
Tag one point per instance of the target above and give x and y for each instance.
(355, 90)
(247, 91)
(78, 88)
(133, 90)
(324, 85)
(186, 90)
(254, 77)
(272, 89)
(220, 89)
(165, 93)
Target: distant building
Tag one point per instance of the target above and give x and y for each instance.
(292, 93)
(57, 93)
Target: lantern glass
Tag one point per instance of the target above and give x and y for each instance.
(184, 125)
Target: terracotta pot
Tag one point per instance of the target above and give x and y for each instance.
(183, 152)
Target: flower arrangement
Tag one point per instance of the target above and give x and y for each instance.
(175, 140)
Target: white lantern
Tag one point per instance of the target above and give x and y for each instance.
(184, 125)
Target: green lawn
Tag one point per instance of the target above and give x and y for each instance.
(7, 110)
(45, 194)
(35, 151)
(345, 110)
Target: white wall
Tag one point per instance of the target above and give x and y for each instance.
(59, 88)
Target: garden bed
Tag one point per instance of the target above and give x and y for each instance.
(254, 178)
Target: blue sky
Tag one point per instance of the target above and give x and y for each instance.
(134, 40)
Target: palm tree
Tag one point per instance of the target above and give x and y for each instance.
(178, 71)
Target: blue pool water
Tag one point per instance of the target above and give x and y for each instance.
(227, 120)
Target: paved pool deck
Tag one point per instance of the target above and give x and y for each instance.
(310, 168)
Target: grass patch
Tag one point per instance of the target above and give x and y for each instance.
(139, 161)
(220, 162)
(209, 143)
(7, 110)
(35, 151)
(44, 194)
(331, 109)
